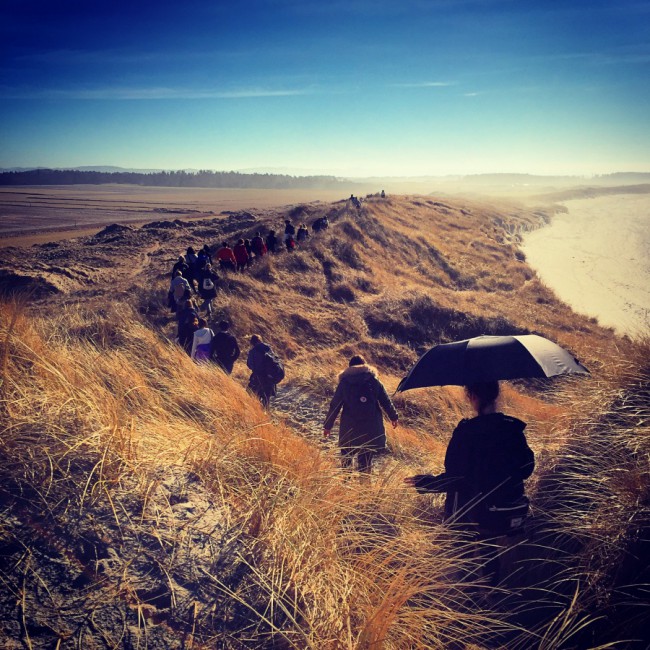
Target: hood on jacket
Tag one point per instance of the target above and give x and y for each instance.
(354, 372)
(203, 333)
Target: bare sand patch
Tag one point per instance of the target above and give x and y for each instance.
(596, 258)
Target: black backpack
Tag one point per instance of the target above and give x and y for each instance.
(272, 367)
(361, 397)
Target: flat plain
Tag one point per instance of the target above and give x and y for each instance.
(38, 214)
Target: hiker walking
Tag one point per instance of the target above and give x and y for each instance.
(361, 399)
(249, 250)
(192, 261)
(226, 257)
(241, 255)
(258, 245)
(266, 370)
(224, 350)
(179, 289)
(303, 233)
(289, 230)
(201, 341)
(208, 279)
(188, 323)
(181, 266)
(486, 463)
(271, 241)
(204, 257)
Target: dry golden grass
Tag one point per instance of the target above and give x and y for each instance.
(151, 502)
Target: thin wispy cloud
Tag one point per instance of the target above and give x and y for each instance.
(424, 84)
(159, 93)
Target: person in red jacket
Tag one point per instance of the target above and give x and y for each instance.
(241, 255)
(259, 247)
(226, 257)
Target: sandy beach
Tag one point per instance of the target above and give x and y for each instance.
(596, 258)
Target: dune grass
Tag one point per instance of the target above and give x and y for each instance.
(151, 502)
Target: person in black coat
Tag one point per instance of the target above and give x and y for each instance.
(487, 461)
(188, 323)
(225, 350)
(363, 400)
(271, 241)
(259, 381)
(181, 266)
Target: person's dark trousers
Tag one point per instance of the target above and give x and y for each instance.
(227, 366)
(364, 459)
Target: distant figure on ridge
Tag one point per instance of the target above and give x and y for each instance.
(303, 233)
(241, 255)
(225, 350)
(290, 243)
(289, 230)
(266, 370)
(271, 241)
(249, 250)
(258, 245)
(362, 398)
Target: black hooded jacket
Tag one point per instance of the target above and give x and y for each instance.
(486, 463)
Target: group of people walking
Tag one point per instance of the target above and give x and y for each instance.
(487, 459)
(194, 275)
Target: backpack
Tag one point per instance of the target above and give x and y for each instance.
(208, 285)
(272, 367)
(361, 397)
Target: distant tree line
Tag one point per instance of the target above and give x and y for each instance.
(202, 178)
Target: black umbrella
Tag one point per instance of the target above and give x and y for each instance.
(490, 358)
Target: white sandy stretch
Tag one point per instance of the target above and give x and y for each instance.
(596, 258)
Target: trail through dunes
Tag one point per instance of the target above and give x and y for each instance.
(149, 501)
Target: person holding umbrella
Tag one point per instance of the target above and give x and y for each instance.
(486, 463)
(361, 397)
(488, 458)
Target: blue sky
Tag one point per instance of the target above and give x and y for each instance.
(348, 87)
